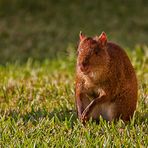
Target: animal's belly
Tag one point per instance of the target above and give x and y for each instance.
(106, 110)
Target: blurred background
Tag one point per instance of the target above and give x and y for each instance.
(45, 29)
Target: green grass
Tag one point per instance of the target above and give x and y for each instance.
(37, 71)
(37, 107)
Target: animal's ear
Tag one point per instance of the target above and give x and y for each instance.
(81, 36)
(102, 39)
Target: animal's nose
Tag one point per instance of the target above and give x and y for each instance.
(84, 66)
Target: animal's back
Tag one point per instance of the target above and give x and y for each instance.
(120, 64)
(125, 79)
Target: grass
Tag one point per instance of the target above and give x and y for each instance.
(37, 71)
(39, 29)
(37, 107)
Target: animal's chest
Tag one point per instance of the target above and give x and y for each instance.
(91, 88)
(106, 110)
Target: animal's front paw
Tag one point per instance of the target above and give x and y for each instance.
(84, 118)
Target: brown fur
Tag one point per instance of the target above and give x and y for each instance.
(106, 83)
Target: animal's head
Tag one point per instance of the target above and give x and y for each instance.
(91, 52)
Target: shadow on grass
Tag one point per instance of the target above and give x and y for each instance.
(141, 117)
(36, 115)
(61, 115)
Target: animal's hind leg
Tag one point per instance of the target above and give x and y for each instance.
(125, 107)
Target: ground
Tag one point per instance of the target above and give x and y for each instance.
(37, 108)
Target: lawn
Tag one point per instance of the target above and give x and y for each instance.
(37, 108)
(38, 41)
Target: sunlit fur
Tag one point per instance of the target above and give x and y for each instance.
(105, 66)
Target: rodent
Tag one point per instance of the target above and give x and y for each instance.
(106, 83)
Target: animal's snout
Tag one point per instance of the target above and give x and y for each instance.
(83, 69)
(84, 66)
(84, 63)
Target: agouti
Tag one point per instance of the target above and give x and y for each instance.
(106, 83)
